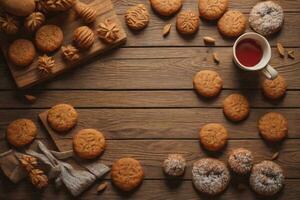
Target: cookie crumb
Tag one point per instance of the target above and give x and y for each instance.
(30, 98)
(216, 57)
(209, 40)
(101, 187)
(280, 50)
(275, 155)
(166, 30)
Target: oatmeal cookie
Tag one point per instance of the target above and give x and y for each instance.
(266, 18)
(166, 7)
(187, 22)
(213, 136)
(21, 52)
(88, 143)
(49, 38)
(241, 161)
(62, 117)
(236, 107)
(21, 132)
(273, 126)
(137, 17)
(208, 83)
(174, 165)
(127, 174)
(274, 89)
(212, 10)
(267, 178)
(210, 176)
(232, 23)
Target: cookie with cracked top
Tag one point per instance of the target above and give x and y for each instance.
(213, 136)
(274, 89)
(236, 107)
(166, 7)
(212, 10)
(208, 83)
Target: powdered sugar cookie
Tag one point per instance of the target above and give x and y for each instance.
(174, 165)
(266, 17)
(241, 161)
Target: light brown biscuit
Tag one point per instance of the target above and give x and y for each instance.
(212, 10)
(166, 7)
(232, 23)
(88, 143)
(208, 83)
(21, 132)
(187, 22)
(273, 126)
(21, 52)
(84, 37)
(213, 136)
(127, 174)
(49, 38)
(62, 117)
(137, 17)
(236, 107)
(274, 89)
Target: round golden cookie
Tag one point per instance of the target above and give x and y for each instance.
(213, 136)
(88, 143)
(62, 117)
(212, 10)
(49, 38)
(236, 107)
(187, 22)
(274, 89)
(232, 23)
(166, 7)
(21, 132)
(21, 52)
(273, 126)
(137, 17)
(127, 174)
(208, 83)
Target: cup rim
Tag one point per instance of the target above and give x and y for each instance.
(255, 67)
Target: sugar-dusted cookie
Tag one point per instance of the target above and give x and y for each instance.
(208, 83)
(274, 89)
(21, 52)
(62, 117)
(213, 136)
(273, 126)
(210, 176)
(266, 17)
(127, 174)
(236, 107)
(187, 22)
(21, 132)
(241, 161)
(174, 165)
(166, 7)
(267, 178)
(88, 143)
(212, 10)
(232, 23)
(137, 17)
(49, 38)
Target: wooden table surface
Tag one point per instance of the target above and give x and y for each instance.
(141, 96)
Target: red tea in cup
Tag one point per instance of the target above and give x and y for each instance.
(248, 52)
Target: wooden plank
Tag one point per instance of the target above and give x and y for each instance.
(149, 190)
(171, 68)
(139, 99)
(30, 75)
(151, 153)
(182, 123)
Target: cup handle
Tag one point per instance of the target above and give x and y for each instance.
(269, 72)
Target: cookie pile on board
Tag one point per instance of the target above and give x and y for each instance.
(210, 176)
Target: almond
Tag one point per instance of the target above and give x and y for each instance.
(101, 187)
(216, 57)
(280, 49)
(30, 98)
(209, 40)
(275, 156)
(291, 54)
(166, 30)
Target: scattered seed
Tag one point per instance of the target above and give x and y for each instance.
(166, 30)
(280, 49)
(30, 98)
(209, 40)
(291, 54)
(275, 156)
(101, 187)
(216, 57)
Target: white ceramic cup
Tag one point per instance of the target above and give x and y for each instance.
(263, 64)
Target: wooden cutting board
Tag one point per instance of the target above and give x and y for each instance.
(68, 21)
